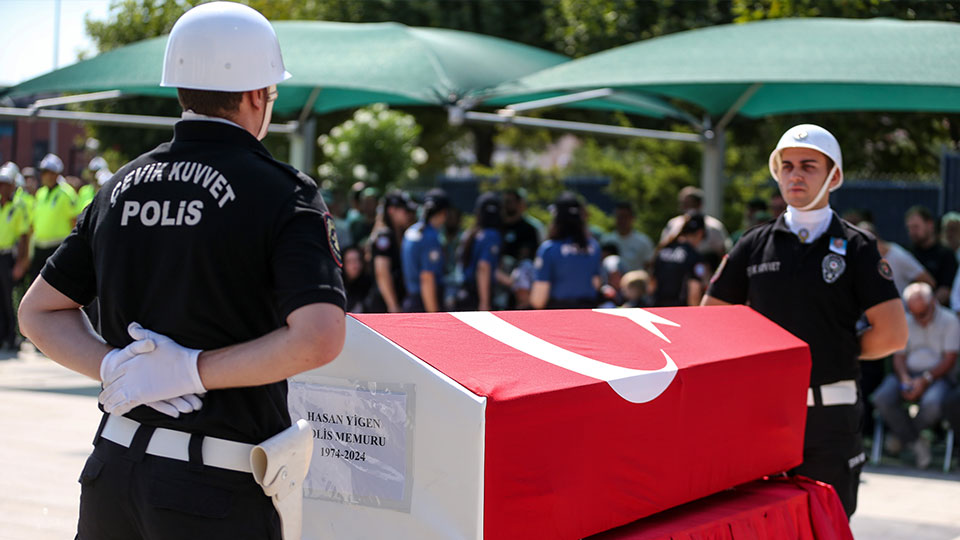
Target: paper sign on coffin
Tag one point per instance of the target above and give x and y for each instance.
(551, 424)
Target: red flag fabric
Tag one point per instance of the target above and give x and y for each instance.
(774, 509)
(596, 418)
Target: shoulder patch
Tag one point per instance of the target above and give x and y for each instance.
(332, 240)
(383, 242)
(884, 268)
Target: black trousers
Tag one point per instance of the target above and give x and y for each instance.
(129, 495)
(833, 450)
(8, 321)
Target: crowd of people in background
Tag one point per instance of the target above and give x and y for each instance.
(404, 256)
(38, 210)
(400, 255)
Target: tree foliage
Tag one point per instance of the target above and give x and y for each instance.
(648, 173)
(377, 146)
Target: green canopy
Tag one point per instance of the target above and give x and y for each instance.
(351, 64)
(776, 67)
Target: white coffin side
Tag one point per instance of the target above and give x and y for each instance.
(446, 500)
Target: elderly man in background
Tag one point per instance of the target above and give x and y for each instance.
(921, 372)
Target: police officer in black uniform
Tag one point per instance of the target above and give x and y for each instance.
(222, 263)
(397, 212)
(815, 275)
(679, 270)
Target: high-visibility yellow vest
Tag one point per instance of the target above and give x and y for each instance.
(28, 200)
(84, 196)
(14, 223)
(53, 214)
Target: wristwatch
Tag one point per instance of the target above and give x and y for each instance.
(927, 376)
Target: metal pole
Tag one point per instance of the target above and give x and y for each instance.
(711, 172)
(52, 147)
(131, 120)
(308, 131)
(582, 127)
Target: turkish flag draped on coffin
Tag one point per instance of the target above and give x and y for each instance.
(596, 418)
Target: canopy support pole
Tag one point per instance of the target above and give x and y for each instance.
(581, 127)
(560, 100)
(711, 170)
(76, 98)
(129, 120)
(302, 142)
(599, 93)
(714, 155)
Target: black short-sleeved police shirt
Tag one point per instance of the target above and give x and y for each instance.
(210, 241)
(940, 261)
(520, 240)
(674, 266)
(815, 291)
(385, 244)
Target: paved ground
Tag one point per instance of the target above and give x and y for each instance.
(48, 416)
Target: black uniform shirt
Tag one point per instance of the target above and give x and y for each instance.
(385, 244)
(674, 266)
(940, 261)
(208, 240)
(815, 291)
(520, 240)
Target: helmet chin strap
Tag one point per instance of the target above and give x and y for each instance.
(264, 123)
(823, 191)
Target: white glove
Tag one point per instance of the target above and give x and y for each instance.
(173, 407)
(167, 372)
(170, 407)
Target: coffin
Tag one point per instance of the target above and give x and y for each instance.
(544, 424)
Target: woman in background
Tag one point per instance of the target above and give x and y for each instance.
(396, 214)
(567, 267)
(479, 256)
(356, 280)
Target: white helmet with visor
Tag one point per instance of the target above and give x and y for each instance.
(815, 138)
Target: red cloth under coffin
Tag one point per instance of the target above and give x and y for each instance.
(776, 509)
(566, 456)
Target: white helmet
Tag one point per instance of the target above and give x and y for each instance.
(816, 138)
(52, 163)
(223, 46)
(9, 173)
(103, 175)
(97, 163)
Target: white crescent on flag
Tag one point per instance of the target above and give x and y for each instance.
(633, 385)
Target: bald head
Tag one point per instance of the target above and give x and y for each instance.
(920, 302)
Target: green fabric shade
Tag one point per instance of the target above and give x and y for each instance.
(800, 65)
(353, 64)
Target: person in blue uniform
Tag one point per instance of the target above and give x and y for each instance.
(679, 270)
(218, 273)
(815, 275)
(567, 267)
(480, 256)
(422, 254)
(397, 213)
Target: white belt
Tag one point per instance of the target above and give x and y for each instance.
(838, 393)
(173, 444)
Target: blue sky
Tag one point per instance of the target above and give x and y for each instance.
(26, 39)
